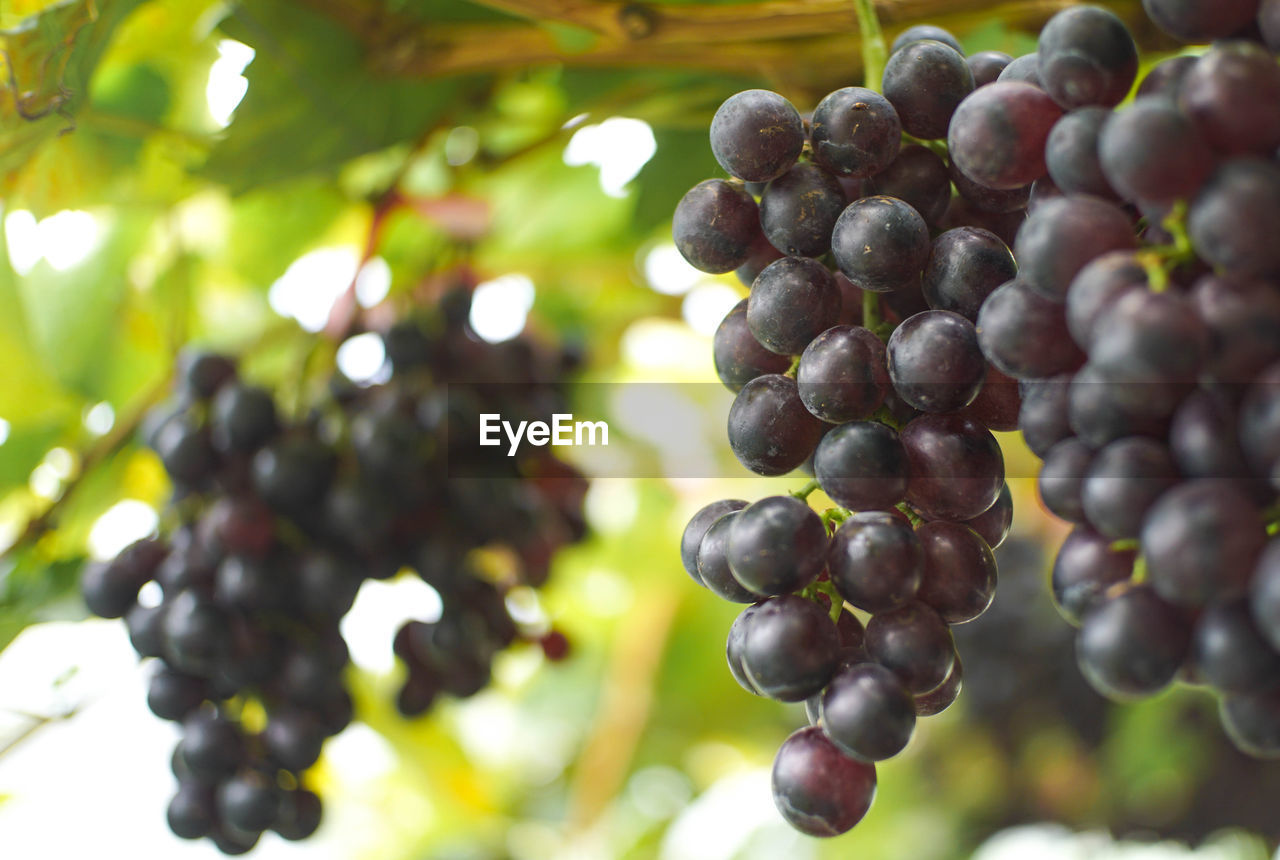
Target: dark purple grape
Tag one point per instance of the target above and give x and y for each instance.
(1061, 481)
(792, 301)
(172, 695)
(875, 561)
(715, 225)
(1042, 417)
(733, 649)
(1260, 423)
(1243, 318)
(243, 418)
(991, 200)
(293, 739)
(212, 746)
(196, 633)
(1201, 541)
(1063, 236)
(776, 545)
(1071, 153)
(935, 363)
(924, 81)
(233, 841)
(1151, 152)
(919, 178)
(186, 451)
(959, 571)
(1024, 69)
(146, 629)
(756, 135)
(1087, 57)
(770, 430)
(192, 811)
(1165, 77)
(1096, 288)
(1132, 643)
(915, 643)
(799, 208)
(955, 466)
(1086, 566)
(293, 472)
(993, 524)
(203, 373)
(1025, 334)
(867, 712)
(738, 356)
(1229, 653)
(986, 66)
(998, 132)
(998, 402)
(1232, 95)
(1200, 20)
(881, 244)
(944, 695)
(760, 254)
(1203, 437)
(918, 32)
(1101, 411)
(1235, 218)
(248, 801)
(1252, 722)
(790, 648)
(299, 814)
(111, 588)
(1123, 481)
(1265, 594)
(819, 790)
(862, 466)
(843, 374)
(697, 527)
(965, 266)
(855, 132)
(1269, 23)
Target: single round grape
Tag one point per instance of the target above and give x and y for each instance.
(1243, 319)
(1061, 481)
(292, 472)
(915, 644)
(790, 648)
(924, 81)
(1260, 422)
(733, 649)
(986, 66)
(867, 712)
(843, 374)
(792, 301)
(1085, 567)
(1200, 20)
(876, 561)
(918, 32)
(196, 634)
(1071, 153)
(1150, 337)
(192, 811)
(1150, 151)
(998, 402)
(1100, 410)
(919, 178)
(1235, 218)
(1023, 69)
(715, 226)
(212, 746)
(110, 588)
(776, 545)
(1024, 334)
(965, 266)
(1042, 417)
(855, 132)
(186, 450)
(998, 132)
(756, 135)
(959, 571)
(248, 801)
(880, 243)
(293, 739)
(1132, 643)
(1203, 437)
(1087, 57)
(770, 430)
(1063, 236)
(955, 466)
(862, 465)
(738, 356)
(1252, 722)
(1123, 481)
(799, 208)
(146, 629)
(1201, 541)
(243, 418)
(173, 695)
(993, 524)
(299, 814)
(1265, 594)
(944, 695)
(1096, 288)
(1232, 95)
(819, 790)
(935, 363)
(1229, 653)
(697, 527)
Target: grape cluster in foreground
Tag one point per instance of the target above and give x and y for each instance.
(277, 522)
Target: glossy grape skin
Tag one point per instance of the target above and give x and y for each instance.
(993, 524)
(799, 208)
(986, 66)
(1025, 334)
(915, 644)
(776, 545)
(790, 648)
(1201, 541)
(733, 649)
(966, 264)
(1132, 643)
(1200, 20)
(1023, 69)
(925, 31)
(1085, 567)
(855, 132)
(1123, 481)
(1042, 417)
(959, 571)
(1086, 57)
(997, 134)
(867, 712)
(1096, 288)
(715, 225)
(944, 695)
(1061, 481)
(1242, 316)
(770, 431)
(293, 739)
(1235, 218)
(880, 243)
(876, 561)
(792, 301)
(1252, 722)
(1260, 422)
(919, 178)
(843, 374)
(1232, 95)
(1063, 236)
(697, 527)
(935, 363)
(756, 135)
(998, 402)
(299, 816)
(1229, 653)
(248, 802)
(991, 200)
(924, 81)
(713, 565)
(862, 465)
(819, 790)
(955, 466)
(1101, 410)
(1071, 153)
(738, 356)
(212, 746)
(1150, 151)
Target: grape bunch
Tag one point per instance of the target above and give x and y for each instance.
(277, 522)
(856, 357)
(1144, 327)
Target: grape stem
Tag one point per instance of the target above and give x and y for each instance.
(804, 492)
(874, 50)
(1124, 544)
(871, 314)
(794, 368)
(1139, 570)
(1158, 260)
(833, 517)
(915, 518)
